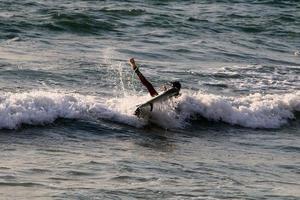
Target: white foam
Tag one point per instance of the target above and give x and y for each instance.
(254, 111)
(39, 107)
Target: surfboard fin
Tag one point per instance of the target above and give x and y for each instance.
(137, 112)
(151, 107)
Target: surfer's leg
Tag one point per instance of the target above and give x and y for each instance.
(144, 81)
(147, 84)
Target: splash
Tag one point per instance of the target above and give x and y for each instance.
(163, 115)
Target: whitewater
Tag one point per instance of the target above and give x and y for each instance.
(253, 111)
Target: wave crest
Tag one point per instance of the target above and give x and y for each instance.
(253, 111)
(38, 108)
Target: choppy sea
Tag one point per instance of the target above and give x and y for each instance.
(67, 97)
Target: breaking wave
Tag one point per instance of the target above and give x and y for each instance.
(38, 108)
(253, 111)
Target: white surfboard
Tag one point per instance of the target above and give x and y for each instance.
(157, 99)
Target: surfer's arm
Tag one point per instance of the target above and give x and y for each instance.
(144, 81)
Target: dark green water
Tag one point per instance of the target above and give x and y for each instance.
(67, 129)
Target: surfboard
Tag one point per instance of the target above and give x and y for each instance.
(159, 98)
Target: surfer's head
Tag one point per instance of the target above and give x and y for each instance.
(176, 84)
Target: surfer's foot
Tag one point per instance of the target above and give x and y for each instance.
(132, 63)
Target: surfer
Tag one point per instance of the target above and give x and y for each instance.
(168, 92)
(146, 83)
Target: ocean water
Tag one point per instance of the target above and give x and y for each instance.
(67, 129)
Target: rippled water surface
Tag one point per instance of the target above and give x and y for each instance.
(67, 129)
